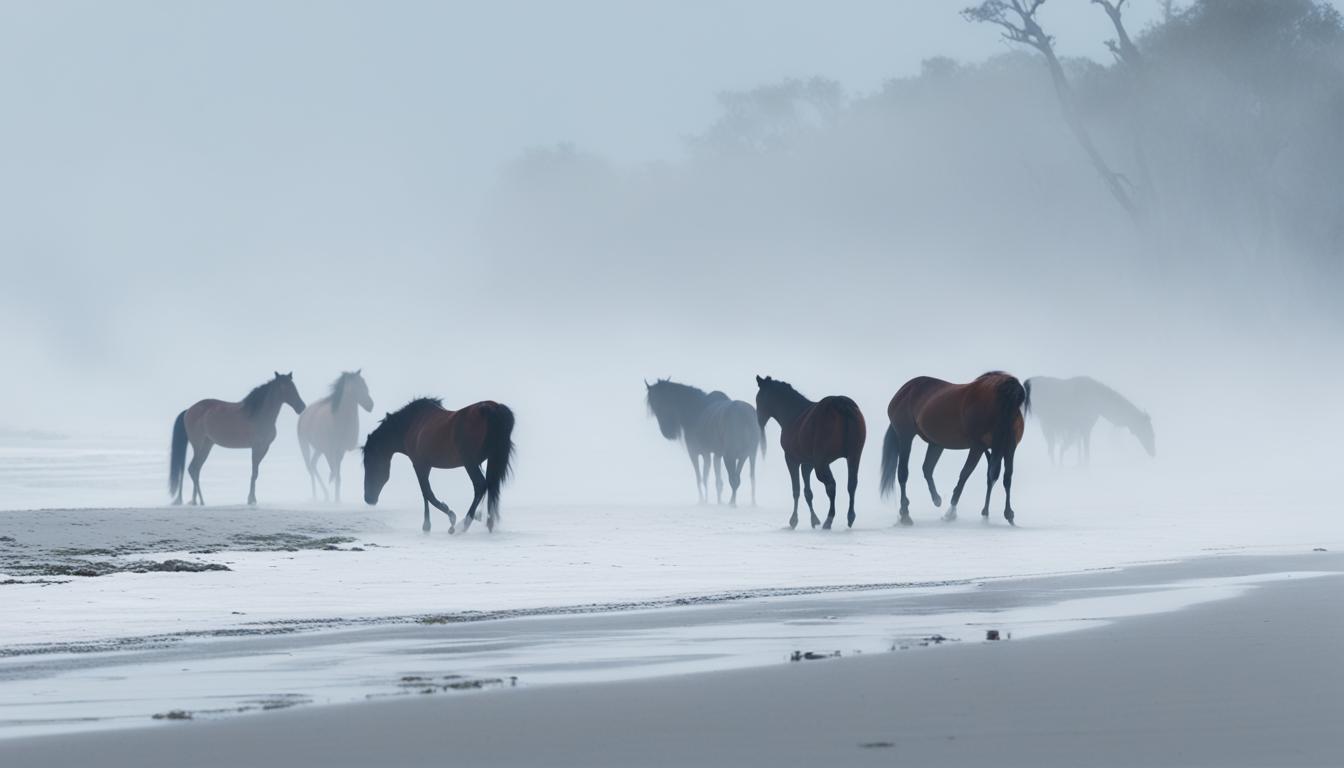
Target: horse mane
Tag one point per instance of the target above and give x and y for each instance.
(784, 387)
(398, 422)
(1115, 399)
(257, 396)
(338, 388)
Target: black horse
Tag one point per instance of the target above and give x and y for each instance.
(813, 435)
(714, 427)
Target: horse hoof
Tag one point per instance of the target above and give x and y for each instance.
(937, 500)
(451, 530)
(793, 523)
(951, 516)
(905, 520)
(826, 526)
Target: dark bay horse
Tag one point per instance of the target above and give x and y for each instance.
(813, 435)
(246, 424)
(984, 416)
(433, 437)
(714, 428)
(330, 427)
(1068, 409)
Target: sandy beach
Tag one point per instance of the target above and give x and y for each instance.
(1249, 679)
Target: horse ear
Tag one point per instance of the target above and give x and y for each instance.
(289, 375)
(277, 375)
(759, 380)
(358, 371)
(647, 385)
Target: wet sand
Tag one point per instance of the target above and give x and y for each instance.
(1254, 680)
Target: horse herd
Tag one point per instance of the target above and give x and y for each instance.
(984, 417)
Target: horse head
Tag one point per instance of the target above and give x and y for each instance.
(287, 392)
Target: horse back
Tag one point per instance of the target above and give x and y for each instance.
(830, 429)
(449, 439)
(223, 423)
(905, 405)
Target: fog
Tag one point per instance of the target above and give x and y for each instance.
(545, 206)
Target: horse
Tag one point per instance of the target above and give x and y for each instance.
(1068, 409)
(813, 435)
(246, 424)
(433, 437)
(714, 428)
(984, 416)
(330, 427)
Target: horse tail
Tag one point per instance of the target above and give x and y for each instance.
(1011, 396)
(498, 453)
(1026, 400)
(178, 454)
(891, 454)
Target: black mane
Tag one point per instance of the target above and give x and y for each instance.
(257, 396)
(397, 423)
(782, 386)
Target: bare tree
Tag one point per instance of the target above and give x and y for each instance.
(1121, 46)
(1017, 19)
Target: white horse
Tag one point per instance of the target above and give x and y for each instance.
(1068, 409)
(330, 428)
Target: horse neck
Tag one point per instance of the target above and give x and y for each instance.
(788, 406)
(1113, 407)
(689, 409)
(269, 410)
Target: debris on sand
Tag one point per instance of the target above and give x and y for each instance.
(1319, 549)
(422, 684)
(991, 634)
(877, 745)
(176, 714)
(813, 655)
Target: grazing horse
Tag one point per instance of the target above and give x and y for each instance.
(330, 427)
(1068, 409)
(431, 437)
(813, 435)
(246, 424)
(714, 427)
(984, 416)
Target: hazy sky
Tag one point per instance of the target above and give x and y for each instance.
(413, 93)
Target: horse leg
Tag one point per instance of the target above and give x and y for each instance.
(807, 493)
(1008, 484)
(718, 477)
(701, 497)
(995, 462)
(199, 453)
(334, 461)
(903, 474)
(827, 479)
(316, 476)
(1085, 449)
(478, 493)
(793, 478)
(707, 459)
(972, 458)
(752, 459)
(930, 461)
(422, 475)
(734, 478)
(852, 463)
(258, 453)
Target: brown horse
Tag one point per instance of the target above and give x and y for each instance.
(246, 424)
(984, 416)
(813, 435)
(431, 437)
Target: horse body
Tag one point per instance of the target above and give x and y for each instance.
(436, 438)
(982, 417)
(1069, 409)
(249, 423)
(715, 429)
(813, 435)
(330, 428)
